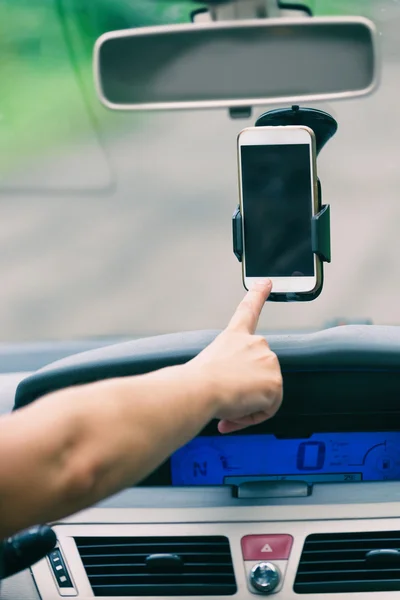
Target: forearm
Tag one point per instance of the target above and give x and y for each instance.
(74, 448)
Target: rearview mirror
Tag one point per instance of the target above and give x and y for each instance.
(236, 63)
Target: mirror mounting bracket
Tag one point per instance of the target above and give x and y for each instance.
(230, 10)
(243, 9)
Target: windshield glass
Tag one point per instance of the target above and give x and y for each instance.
(120, 224)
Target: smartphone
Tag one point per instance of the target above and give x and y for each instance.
(278, 189)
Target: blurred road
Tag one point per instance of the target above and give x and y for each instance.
(155, 254)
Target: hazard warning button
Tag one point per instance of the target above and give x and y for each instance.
(267, 547)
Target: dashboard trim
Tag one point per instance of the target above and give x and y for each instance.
(230, 514)
(234, 531)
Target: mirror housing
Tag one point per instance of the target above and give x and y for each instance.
(236, 64)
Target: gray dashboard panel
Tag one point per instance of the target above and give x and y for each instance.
(322, 495)
(8, 385)
(347, 345)
(30, 356)
(20, 587)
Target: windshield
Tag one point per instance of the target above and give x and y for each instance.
(120, 224)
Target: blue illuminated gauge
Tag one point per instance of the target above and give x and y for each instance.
(382, 462)
(202, 466)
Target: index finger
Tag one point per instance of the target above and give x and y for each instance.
(249, 310)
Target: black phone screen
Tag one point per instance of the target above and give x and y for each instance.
(277, 210)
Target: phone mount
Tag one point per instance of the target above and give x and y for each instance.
(324, 127)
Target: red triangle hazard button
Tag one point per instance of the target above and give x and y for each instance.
(259, 547)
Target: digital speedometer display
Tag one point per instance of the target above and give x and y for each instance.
(325, 457)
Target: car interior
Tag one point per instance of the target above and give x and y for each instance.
(306, 504)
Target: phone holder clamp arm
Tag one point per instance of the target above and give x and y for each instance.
(320, 234)
(324, 127)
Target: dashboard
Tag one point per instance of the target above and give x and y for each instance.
(338, 433)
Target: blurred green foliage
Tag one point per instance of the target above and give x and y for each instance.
(47, 97)
(24, 22)
(46, 86)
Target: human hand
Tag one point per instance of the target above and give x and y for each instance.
(242, 373)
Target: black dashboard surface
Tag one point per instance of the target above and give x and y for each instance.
(329, 376)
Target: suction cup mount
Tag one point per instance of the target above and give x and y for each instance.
(323, 124)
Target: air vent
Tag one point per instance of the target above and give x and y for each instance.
(349, 562)
(158, 566)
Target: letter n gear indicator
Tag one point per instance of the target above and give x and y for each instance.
(311, 456)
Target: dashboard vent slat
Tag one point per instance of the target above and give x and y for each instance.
(116, 566)
(341, 563)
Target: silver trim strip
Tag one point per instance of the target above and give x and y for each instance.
(234, 514)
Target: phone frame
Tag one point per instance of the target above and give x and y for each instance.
(284, 135)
